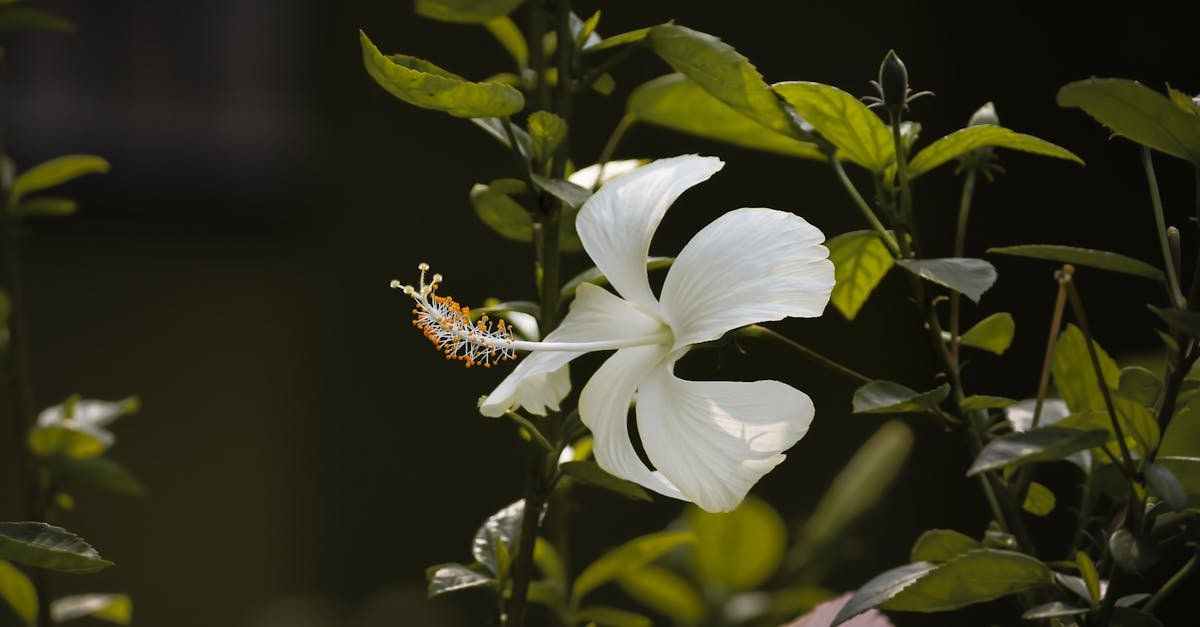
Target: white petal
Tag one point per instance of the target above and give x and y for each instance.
(715, 439)
(617, 222)
(586, 178)
(749, 265)
(541, 379)
(604, 408)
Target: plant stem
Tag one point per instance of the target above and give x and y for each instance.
(862, 205)
(760, 331)
(1081, 318)
(1172, 583)
(1160, 223)
(610, 147)
(960, 245)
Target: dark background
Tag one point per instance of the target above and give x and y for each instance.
(306, 454)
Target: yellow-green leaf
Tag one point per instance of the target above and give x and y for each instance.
(843, 120)
(993, 334)
(548, 131)
(510, 36)
(666, 593)
(17, 591)
(53, 173)
(421, 83)
(737, 550)
(1039, 500)
(942, 545)
(627, 558)
(1100, 259)
(1074, 375)
(965, 140)
(466, 11)
(860, 261)
(1139, 113)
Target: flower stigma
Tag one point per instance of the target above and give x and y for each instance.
(448, 326)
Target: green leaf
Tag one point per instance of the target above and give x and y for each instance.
(1099, 259)
(1053, 609)
(96, 471)
(1137, 112)
(860, 136)
(1187, 322)
(1039, 500)
(46, 206)
(549, 562)
(1039, 445)
(974, 577)
(610, 617)
(739, 550)
(17, 591)
(993, 334)
(723, 73)
(113, 608)
(627, 558)
(676, 102)
(503, 527)
(496, 208)
(510, 36)
(587, 32)
(860, 484)
(547, 131)
(977, 403)
(466, 11)
(571, 194)
(595, 277)
(624, 39)
(591, 474)
(1187, 471)
(665, 593)
(1138, 424)
(53, 173)
(1129, 617)
(64, 441)
(942, 545)
(46, 546)
(496, 128)
(1140, 385)
(29, 18)
(969, 277)
(965, 140)
(1131, 553)
(445, 578)
(1185, 102)
(1074, 375)
(1091, 578)
(423, 84)
(1166, 486)
(886, 397)
(860, 261)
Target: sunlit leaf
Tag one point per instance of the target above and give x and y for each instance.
(974, 577)
(423, 84)
(1074, 374)
(1039, 500)
(860, 261)
(46, 206)
(1140, 385)
(466, 11)
(1099, 259)
(547, 131)
(53, 173)
(1186, 103)
(591, 474)
(676, 102)
(46, 546)
(29, 18)
(503, 527)
(510, 36)
(624, 39)
(722, 72)
(860, 136)
(965, 140)
(445, 578)
(666, 593)
(1137, 112)
(603, 616)
(1038, 445)
(113, 608)
(64, 441)
(969, 277)
(942, 545)
(627, 558)
(17, 591)
(738, 550)
(977, 403)
(886, 397)
(993, 334)
(1091, 578)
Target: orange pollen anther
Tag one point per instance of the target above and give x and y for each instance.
(449, 327)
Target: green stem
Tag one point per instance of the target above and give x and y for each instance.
(906, 203)
(610, 147)
(862, 205)
(1178, 578)
(821, 360)
(1173, 291)
(960, 245)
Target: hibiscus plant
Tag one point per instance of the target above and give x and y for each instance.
(633, 425)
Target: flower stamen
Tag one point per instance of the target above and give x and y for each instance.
(448, 326)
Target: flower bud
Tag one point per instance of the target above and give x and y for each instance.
(985, 115)
(893, 81)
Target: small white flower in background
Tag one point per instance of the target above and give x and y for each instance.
(709, 440)
(1020, 418)
(87, 416)
(823, 615)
